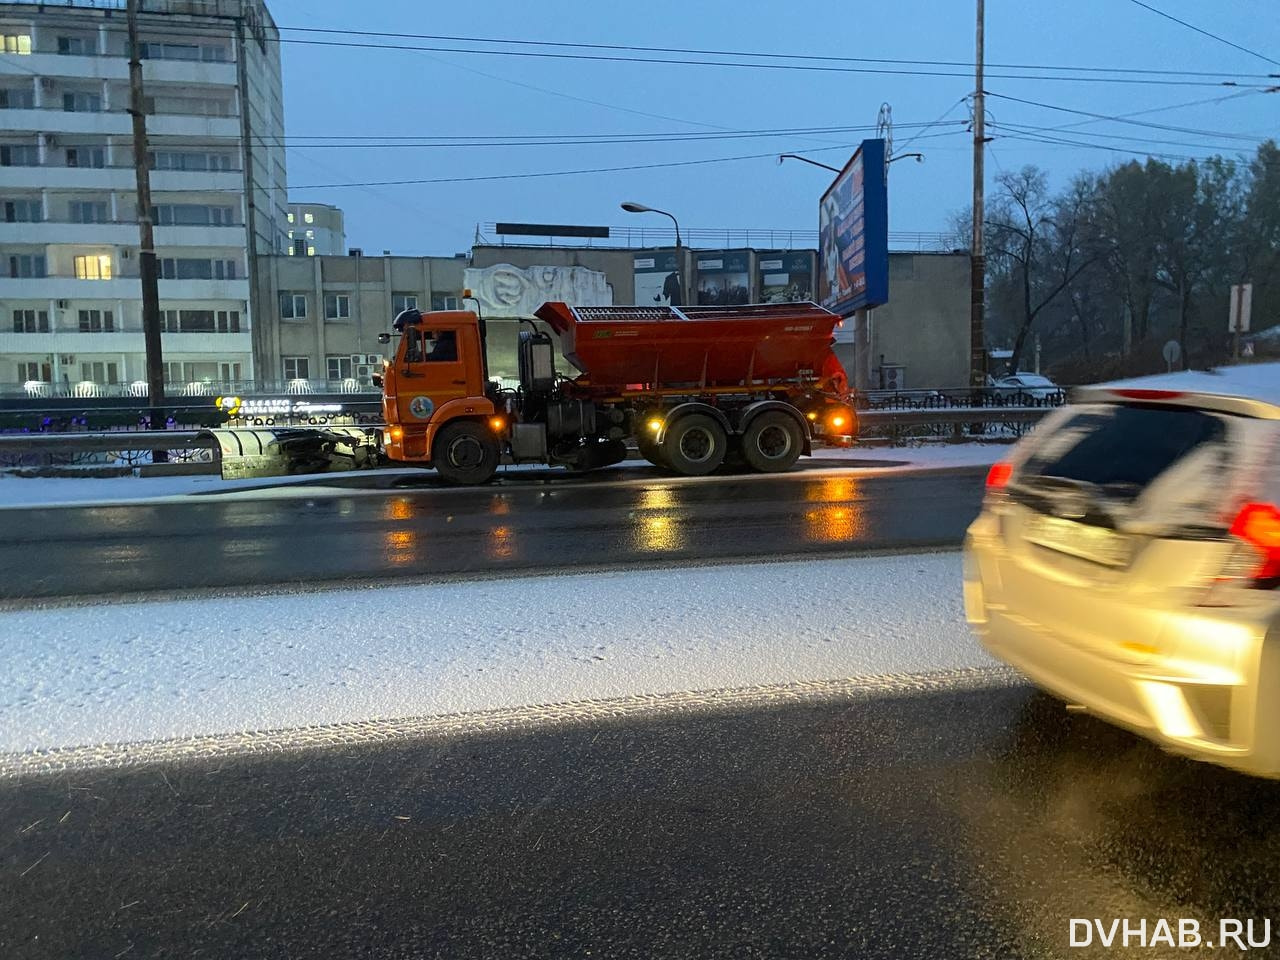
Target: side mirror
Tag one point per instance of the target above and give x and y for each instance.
(384, 338)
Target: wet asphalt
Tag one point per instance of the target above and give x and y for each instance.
(529, 521)
(949, 824)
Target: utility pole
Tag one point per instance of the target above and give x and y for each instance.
(977, 261)
(147, 246)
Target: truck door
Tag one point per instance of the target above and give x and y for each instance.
(433, 372)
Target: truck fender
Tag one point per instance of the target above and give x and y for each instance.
(684, 409)
(751, 411)
(463, 408)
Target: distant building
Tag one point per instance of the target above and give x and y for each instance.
(322, 315)
(70, 299)
(316, 230)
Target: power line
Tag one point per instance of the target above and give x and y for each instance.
(666, 61)
(563, 173)
(1023, 129)
(1206, 33)
(1119, 117)
(767, 55)
(1124, 119)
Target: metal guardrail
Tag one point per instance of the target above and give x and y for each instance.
(956, 423)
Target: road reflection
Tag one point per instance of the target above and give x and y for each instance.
(839, 517)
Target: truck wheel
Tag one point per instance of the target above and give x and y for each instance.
(695, 445)
(772, 442)
(465, 452)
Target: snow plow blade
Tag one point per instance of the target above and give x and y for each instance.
(288, 451)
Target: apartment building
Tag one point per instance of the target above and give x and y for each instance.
(316, 230)
(70, 297)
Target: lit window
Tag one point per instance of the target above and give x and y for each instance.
(311, 251)
(309, 217)
(15, 42)
(291, 221)
(94, 267)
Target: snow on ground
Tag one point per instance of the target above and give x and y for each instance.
(151, 670)
(27, 492)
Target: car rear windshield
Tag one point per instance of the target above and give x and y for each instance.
(1124, 448)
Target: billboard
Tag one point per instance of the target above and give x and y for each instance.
(724, 278)
(853, 234)
(784, 276)
(657, 279)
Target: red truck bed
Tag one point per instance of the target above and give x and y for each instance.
(710, 346)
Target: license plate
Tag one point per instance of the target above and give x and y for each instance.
(1095, 544)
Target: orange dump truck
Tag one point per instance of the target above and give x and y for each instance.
(691, 386)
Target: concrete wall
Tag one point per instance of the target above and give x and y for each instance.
(925, 325)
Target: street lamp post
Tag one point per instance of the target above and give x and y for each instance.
(632, 207)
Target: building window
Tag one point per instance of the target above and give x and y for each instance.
(15, 43)
(76, 46)
(309, 218)
(337, 306)
(87, 157)
(172, 268)
(89, 211)
(443, 301)
(296, 368)
(30, 321)
(23, 211)
(291, 221)
(298, 248)
(339, 368)
(81, 103)
(34, 370)
(23, 99)
(403, 301)
(311, 251)
(192, 215)
(94, 267)
(229, 322)
(97, 321)
(19, 155)
(229, 372)
(293, 306)
(100, 372)
(27, 265)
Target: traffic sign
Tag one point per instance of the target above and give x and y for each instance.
(1241, 307)
(1172, 351)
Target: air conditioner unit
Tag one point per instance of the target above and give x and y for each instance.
(374, 359)
(364, 372)
(357, 358)
(893, 377)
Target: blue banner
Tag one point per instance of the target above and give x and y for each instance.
(853, 234)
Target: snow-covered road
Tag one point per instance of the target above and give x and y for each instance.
(151, 670)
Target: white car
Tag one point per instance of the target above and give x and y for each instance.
(1029, 384)
(1127, 559)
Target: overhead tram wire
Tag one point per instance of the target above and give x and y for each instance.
(1213, 36)
(966, 66)
(1121, 117)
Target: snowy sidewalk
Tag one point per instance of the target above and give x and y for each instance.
(145, 671)
(26, 493)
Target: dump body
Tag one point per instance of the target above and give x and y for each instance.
(711, 347)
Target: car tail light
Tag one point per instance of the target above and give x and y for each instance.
(1148, 394)
(1258, 525)
(998, 476)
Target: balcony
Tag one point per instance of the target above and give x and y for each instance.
(105, 123)
(202, 236)
(181, 345)
(68, 288)
(50, 231)
(56, 65)
(59, 177)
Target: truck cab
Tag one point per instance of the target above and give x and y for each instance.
(436, 380)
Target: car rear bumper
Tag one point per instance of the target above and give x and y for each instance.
(1209, 690)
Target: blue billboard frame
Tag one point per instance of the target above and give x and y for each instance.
(853, 234)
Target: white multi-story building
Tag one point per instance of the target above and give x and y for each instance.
(70, 297)
(316, 230)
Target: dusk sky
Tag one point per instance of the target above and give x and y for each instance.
(339, 91)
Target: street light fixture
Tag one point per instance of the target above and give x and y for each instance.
(632, 207)
(796, 156)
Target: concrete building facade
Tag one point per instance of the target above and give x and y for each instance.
(70, 298)
(316, 230)
(319, 314)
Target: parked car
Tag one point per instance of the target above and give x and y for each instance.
(1029, 384)
(1127, 559)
